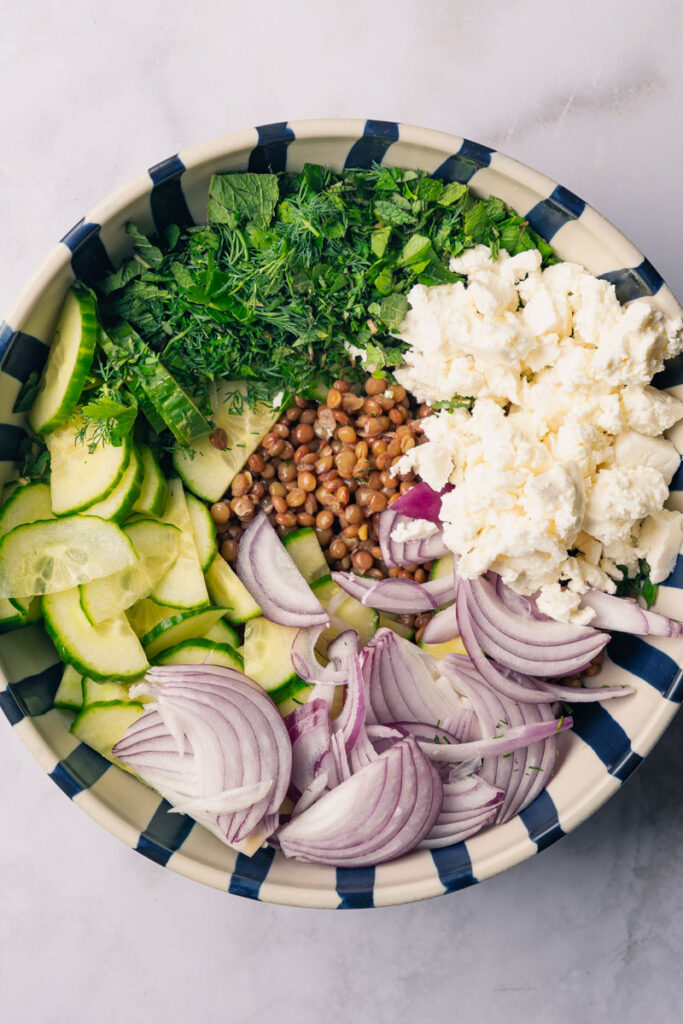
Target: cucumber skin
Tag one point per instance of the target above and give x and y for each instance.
(156, 506)
(86, 352)
(70, 659)
(127, 504)
(101, 497)
(157, 632)
(19, 496)
(202, 643)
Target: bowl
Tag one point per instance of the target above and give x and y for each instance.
(605, 746)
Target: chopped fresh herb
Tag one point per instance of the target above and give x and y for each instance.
(639, 585)
(34, 459)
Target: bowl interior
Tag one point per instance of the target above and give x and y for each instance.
(607, 743)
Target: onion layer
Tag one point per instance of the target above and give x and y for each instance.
(396, 595)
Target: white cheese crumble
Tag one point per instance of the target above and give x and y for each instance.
(559, 470)
(413, 529)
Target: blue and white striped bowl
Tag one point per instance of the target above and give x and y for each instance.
(607, 743)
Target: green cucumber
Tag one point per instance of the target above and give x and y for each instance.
(203, 531)
(288, 699)
(222, 633)
(227, 591)
(268, 658)
(150, 382)
(44, 557)
(208, 471)
(68, 363)
(350, 613)
(101, 726)
(94, 692)
(109, 649)
(11, 617)
(389, 621)
(442, 567)
(306, 553)
(28, 504)
(156, 545)
(69, 693)
(79, 477)
(118, 505)
(201, 652)
(160, 627)
(183, 586)
(154, 490)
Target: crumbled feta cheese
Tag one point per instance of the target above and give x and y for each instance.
(414, 529)
(659, 542)
(560, 460)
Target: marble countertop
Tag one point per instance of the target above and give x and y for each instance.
(591, 929)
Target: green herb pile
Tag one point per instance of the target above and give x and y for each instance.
(289, 271)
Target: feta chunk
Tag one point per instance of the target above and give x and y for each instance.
(659, 542)
(634, 449)
(415, 529)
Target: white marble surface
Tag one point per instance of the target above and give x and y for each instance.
(93, 93)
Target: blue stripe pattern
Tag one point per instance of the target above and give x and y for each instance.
(10, 708)
(671, 375)
(35, 694)
(454, 866)
(635, 282)
(541, 821)
(675, 579)
(677, 479)
(596, 727)
(355, 887)
(271, 152)
(6, 335)
(24, 355)
(10, 442)
(653, 666)
(167, 199)
(79, 771)
(90, 260)
(378, 136)
(165, 834)
(551, 214)
(250, 873)
(464, 164)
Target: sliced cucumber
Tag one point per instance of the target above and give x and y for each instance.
(103, 693)
(79, 477)
(28, 504)
(154, 490)
(183, 586)
(203, 531)
(101, 726)
(151, 382)
(69, 693)
(442, 567)
(389, 621)
(201, 652)
(68, 363)
(109, 649)
(42, 558)
(306, 553)
(119, 504)
(209, 472)
(227, 591)
(222, 633)
(156, 545)
(438, 651)
(11, 617)
(350, 614)
(160, 627)
(289, 699)
(268, 658)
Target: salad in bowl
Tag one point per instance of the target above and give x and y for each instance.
(342, 505)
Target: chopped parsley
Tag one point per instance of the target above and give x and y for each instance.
(639, 585)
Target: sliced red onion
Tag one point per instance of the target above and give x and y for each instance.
(230, 767)
(310, 733)
(420, 502)
(267, 571)
(396, 553)
(402, 596)
(441, 627)
(469, 804)
(506, 743)
(539, 633)
(627, 616)
(307, 666)
(381, 812)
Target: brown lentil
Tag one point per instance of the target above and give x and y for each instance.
(229, 550)
(334, 398)
(303, 433)
(338, 548)
(296, 498)
(220, 512)
(256, 463)
(219, 439)
(362, 560)
(374, 386)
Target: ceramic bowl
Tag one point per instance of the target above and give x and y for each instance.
(606, 744)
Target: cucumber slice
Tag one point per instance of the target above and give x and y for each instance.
(28, 504)
(79, 478)
(350, 613)
(118, 505)
(268, 659)
(209, 472)
(222, 633)
(227, 591)
(201, 652)
(442, 567)
(151, 382)
(101, 726)
(154, 490)
(109, 649)
(307, 554)
(290, 698)
(389, 621)
(68, 363)
(11, 617)
(69, 693)
(42, 558)
(160, 627)
(103, 693)
(203, 531)
(438, 651)
(156, 545)
(183, 586)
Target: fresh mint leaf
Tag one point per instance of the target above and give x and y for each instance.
(235, 199)
(150, 254)
(390, 213)
(417, 249)
(392, 311)
(452, 193)
(379, 240)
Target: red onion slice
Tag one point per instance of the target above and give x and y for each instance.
(441, 627)
(626, 616)
(267, 571)
(420, 502)
(381, 812)
(307, 666)
(404, 597)
(506, 743)
(539, 633)
(231, 765)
